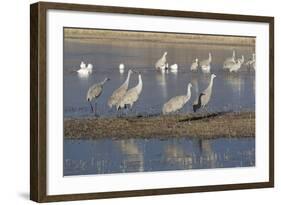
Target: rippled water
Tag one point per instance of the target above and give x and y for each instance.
(231, 91)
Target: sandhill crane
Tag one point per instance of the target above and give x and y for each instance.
(94, 92)
(197, 105)
(177, 102)
(174, 68)
(164, 68)
(161, 63)
(206, 64)
(131, 96)
(252, 61)
(229, 60)
(234, 67)
(121, 68)
(205, 96)
(84, 70)
(194, 65)
(120, 92)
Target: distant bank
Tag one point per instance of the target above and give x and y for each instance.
(115, 37)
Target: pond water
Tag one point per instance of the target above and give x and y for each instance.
(104, 156)
(231, 92)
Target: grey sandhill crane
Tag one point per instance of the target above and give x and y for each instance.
(206, 64)
(234, 67)
(252, 61)
(228, 61)
(161, 63)
(176, 103)
(120, 92)
(194, 65)
(94, 92)
(131, 96)
(205, 98)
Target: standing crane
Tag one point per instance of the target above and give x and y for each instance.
(176, 103)
(161, 63)
(94, 92)
(234, 67)
(131, 96)
(252, 61)
(197, 105)
(120, 92)
(206, 64)
(229, 60)
(194, 65)
(205, 96)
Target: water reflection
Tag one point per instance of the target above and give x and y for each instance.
(207, 153)
(132, 156)
(176, 154)
(236, 83)
(104, 156)
(161, 81)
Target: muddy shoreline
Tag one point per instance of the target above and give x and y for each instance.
(211, 125)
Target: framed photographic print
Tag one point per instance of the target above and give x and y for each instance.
(134, 102)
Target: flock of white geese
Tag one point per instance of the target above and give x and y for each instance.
(123, 98)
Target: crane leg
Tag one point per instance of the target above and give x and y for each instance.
(206, 110)
(96, 109)
(92, 109)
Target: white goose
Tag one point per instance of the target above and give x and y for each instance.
(206, 64)
(85, 70)
(174, 68)
(121, 68)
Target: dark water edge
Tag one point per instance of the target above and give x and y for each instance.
(108, 156)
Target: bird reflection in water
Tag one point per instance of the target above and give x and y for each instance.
(175, 154)
(207, 155)
(162, 82)
(133, 159)
(236, 83)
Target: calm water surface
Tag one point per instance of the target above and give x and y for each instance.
(234, 92)
(139, 155)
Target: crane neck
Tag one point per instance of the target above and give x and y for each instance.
(210, 57)
(128, 77)
(104, 81)
(188, 91)
(199, 99)
(164, 56)
(139, 86)
(211, 83)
